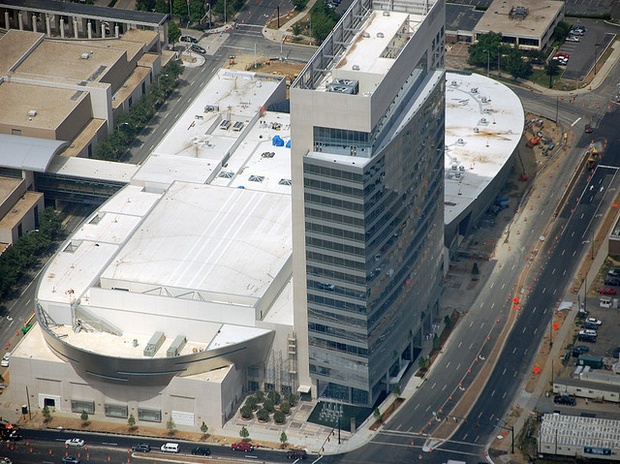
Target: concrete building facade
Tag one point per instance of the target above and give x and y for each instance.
(367, 118)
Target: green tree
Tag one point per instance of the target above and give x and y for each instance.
(171, 426)
(274, 396)
(298, 28)
(251, 401)
(436, 342)
(174, 33)
(323, 20)
(47, 414)
(396, 390)
(162, 6)
(377, 415)
(516, 65)
(204, 428)
(268, 405)
(299, 5)
(285, 407)
(486, 50)
(262, 414)
(179, 9)
(292, 399)
(84, 417)
(131, 421)
(146, 5)
(283, 439)
(196, 10)
(243, 433)
(475, 270)
(561, 31)
(279, 417)
(447, 321)
(422, 362)
(260, 395)
(246, 411)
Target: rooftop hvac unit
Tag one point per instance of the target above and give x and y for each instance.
(380, 35)
(85, 56)
(483, 99)
(355, 67)
(454, 83)
(348, 86)
(154, 344)
(474, 90)
(386, 13)
(177, 346)
(32, 113)
(366, 35)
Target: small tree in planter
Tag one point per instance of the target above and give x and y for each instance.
(47, 414)
(84, 417)
(279, 417)
(204, 428)
(131, 422)
(262, 415)
(246, 411)
(283, 439)
(171, 426)
(377, 414)
(260, 395)
(269, 406)
(252, 402)
(285, 407)
(243, 433)
(274, 396)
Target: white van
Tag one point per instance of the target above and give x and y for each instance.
(605, 302)
(170, 448)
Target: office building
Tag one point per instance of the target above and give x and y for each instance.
(367, 122)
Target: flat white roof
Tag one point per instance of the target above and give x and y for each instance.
(567, 430)
(92, 169)
(484, 123)
(209, 238)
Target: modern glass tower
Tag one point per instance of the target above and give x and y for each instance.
(367, 123)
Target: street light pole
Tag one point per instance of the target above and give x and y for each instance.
(499, 54)
(595, 56)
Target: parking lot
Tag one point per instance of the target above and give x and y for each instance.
(591, 45)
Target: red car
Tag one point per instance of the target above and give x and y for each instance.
(607, 291)
(243, 446)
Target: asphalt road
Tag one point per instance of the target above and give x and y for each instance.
(48, 446)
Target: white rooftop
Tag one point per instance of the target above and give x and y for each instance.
(209, 238)
(484, 123)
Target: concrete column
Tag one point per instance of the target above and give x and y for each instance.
(116, 31)
(48, 27)
(20, 20)
(75, 28)
(62, 28)
(89, 29)
(34, 23)
(6, 20)
(101, 27)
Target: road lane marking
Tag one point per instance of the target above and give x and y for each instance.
(576, 121)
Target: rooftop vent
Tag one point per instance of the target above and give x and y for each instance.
(474, 90)
(380, 35)
(460, 142)
(355, 67)
(32, 113)
(484, 99)
(518, 12)
(366, 35)
(386, 13)
(454, 83)
(484, 121)
(85, 56)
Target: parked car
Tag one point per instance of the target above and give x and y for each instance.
(296, 454)
(614, 281)
(607, 291)
(141, 448)
(614, 272)
(198, 49)
(170, 448)
(5, 360)
(590, 326)
(564, 399)
(578, 350)
(243, 446)
(573, 38)
(70, 460)
(616, 353)
(76, 442)
(188, 39)
(588, 128)
(201, 451)
(594, 320)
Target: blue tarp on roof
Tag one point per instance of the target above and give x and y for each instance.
(277, 141)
